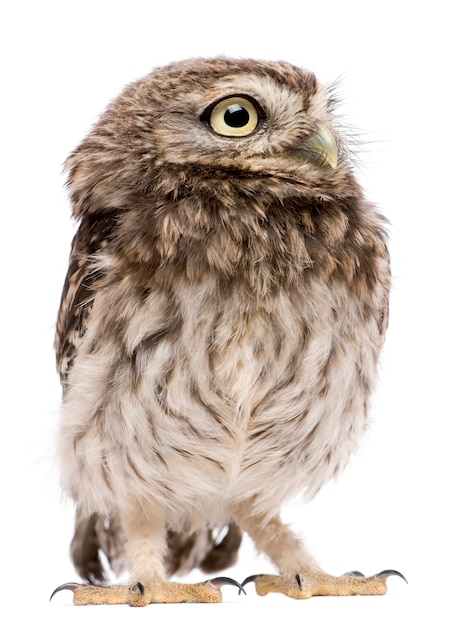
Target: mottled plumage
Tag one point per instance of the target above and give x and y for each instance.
(220, 326)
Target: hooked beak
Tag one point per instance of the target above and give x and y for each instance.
(320, 148)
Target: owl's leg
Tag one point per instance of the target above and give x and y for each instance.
(300, 576)
(145, 548)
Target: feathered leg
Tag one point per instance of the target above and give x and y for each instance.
(300, 576)
(145, 548)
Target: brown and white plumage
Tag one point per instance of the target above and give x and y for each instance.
(220, 326)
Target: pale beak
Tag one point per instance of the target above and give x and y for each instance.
(320, 148)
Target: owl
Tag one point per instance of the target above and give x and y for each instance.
(219, 331)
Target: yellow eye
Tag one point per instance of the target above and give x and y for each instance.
(236, 116)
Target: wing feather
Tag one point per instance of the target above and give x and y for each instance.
(92, 236)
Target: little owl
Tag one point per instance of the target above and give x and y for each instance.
(219, 331)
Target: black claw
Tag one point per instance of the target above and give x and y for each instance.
(64, 587)
(391, 572)
(249, 579)
(299, 581)
(354, 573)
(223, 580)
(138, 587)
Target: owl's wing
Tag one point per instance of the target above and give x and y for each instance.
(92, 236)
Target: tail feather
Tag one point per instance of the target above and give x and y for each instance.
(98, 545)
(224, 553)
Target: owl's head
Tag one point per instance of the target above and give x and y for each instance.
(211, 124)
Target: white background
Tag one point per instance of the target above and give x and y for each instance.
(402, 501)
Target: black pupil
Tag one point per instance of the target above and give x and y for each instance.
(236, 116)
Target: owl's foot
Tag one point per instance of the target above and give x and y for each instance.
(156, 591)
(320, 584)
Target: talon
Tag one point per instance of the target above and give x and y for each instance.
(65, 587)
(299, 580)
(354, 573)
(391, 572)
(223, 580)
(250, 579)
(138, 587)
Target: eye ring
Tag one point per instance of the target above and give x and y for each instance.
(234, 116)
